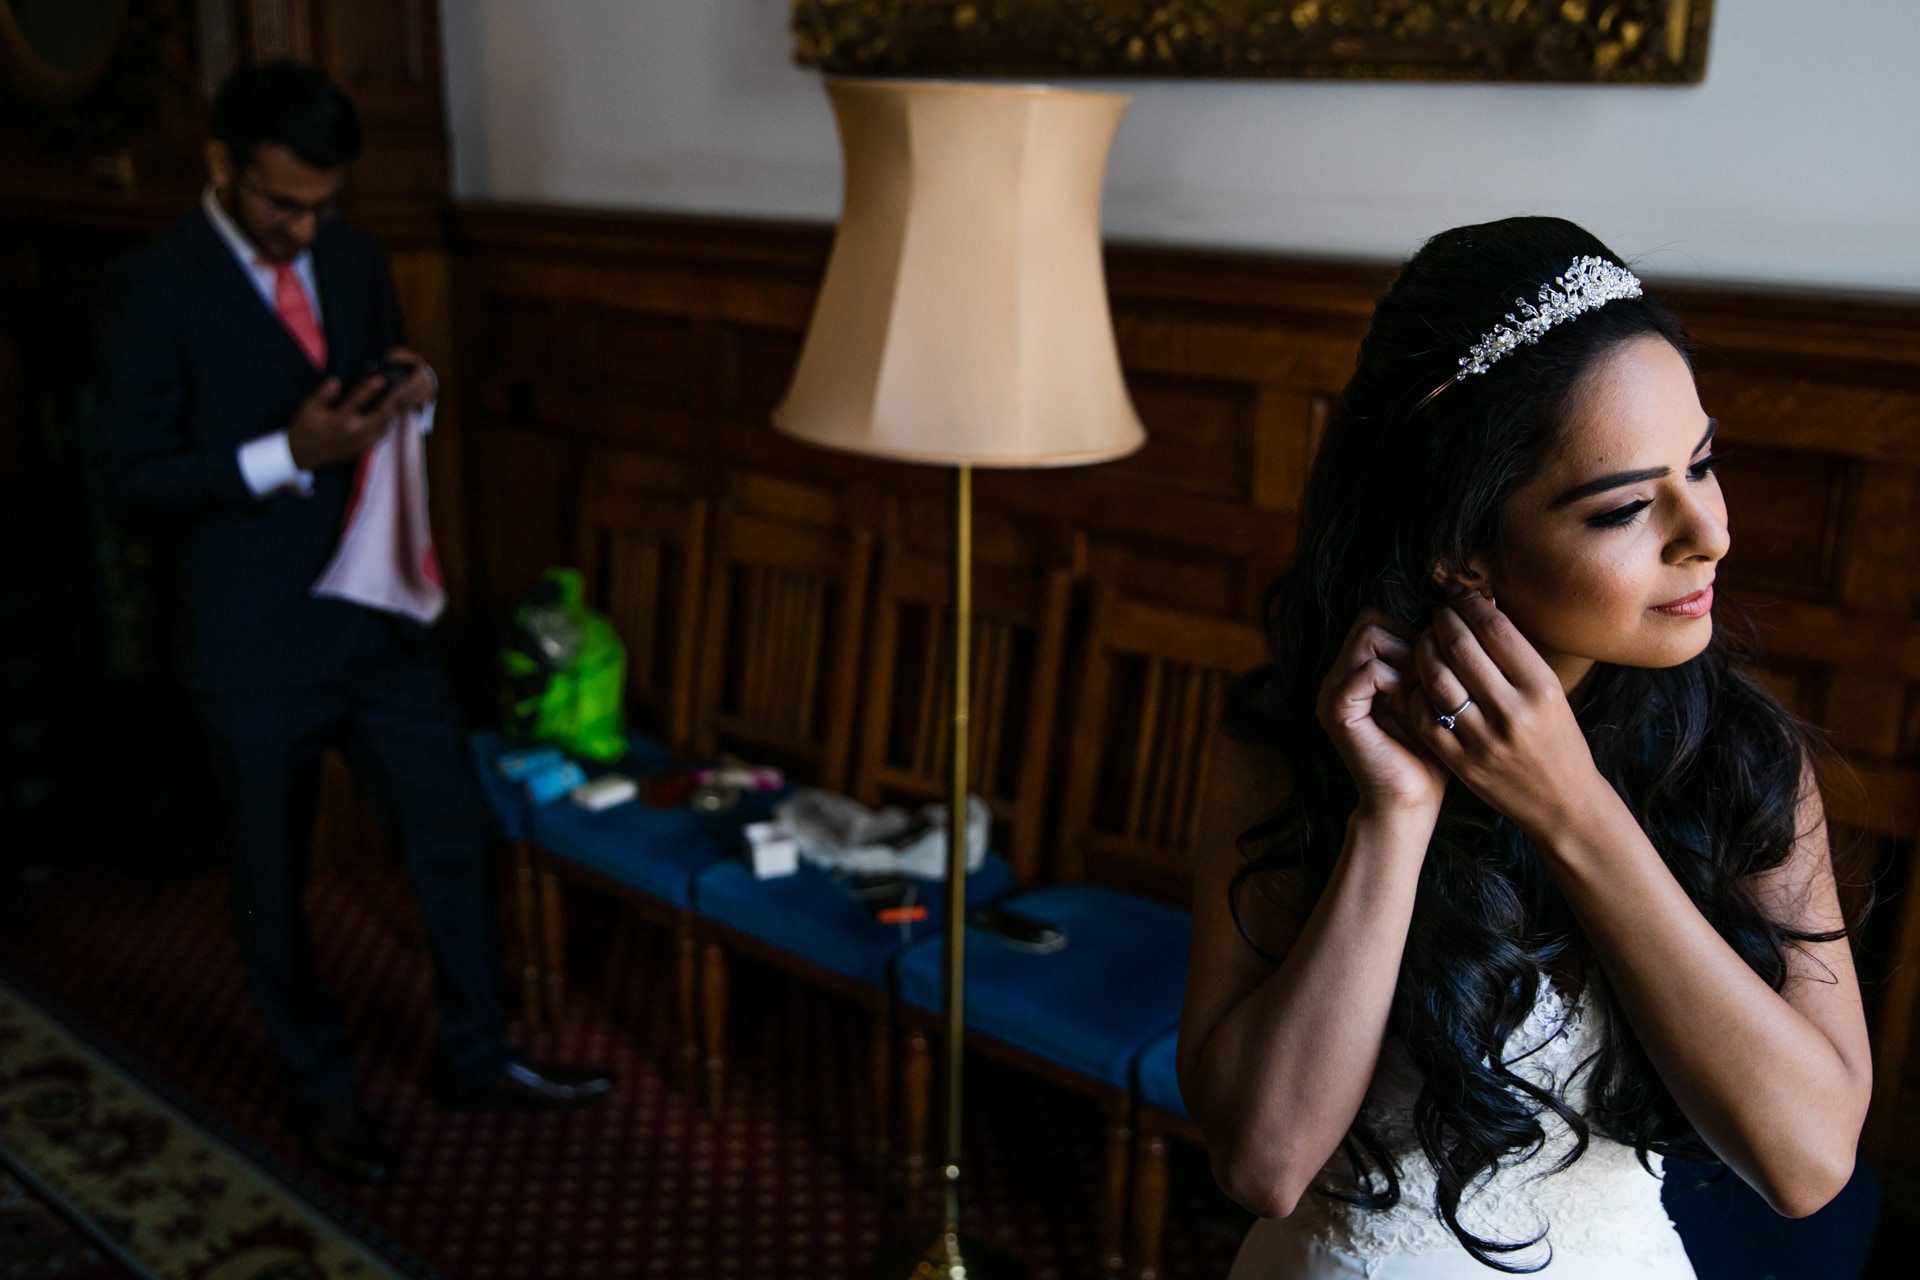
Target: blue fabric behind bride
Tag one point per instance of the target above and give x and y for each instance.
(1090, 1007)
(1155, 1078)
(1732, 1234)
(814, 915)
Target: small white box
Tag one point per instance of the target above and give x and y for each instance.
(605, 791)
(774, 858)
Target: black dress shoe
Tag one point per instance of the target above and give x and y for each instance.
(343, 1140)
(525, 1085)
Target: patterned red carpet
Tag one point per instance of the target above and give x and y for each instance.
(646, 1186)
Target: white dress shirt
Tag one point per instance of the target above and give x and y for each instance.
(267, 463)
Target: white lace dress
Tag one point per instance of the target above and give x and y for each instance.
(1602, 1215)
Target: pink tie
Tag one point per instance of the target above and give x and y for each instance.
(290, 300)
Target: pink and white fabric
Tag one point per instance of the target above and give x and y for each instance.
(385, 559)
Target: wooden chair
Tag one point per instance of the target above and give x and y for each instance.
(643, 553)
(1143, 742)
(784, 612)
(806, 924)
(777, 648)
(1020, 623)
(1149, 696)
(642, 550)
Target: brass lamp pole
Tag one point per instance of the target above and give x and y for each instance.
(963, 322)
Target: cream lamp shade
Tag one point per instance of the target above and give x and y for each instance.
(963, 318)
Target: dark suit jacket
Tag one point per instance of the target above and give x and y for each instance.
(194, 364)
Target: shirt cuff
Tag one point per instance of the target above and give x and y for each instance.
(268, 467)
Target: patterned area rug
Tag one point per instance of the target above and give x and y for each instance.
(648, 1185)
(157, 1193)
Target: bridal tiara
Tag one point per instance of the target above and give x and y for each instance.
(1589, 283)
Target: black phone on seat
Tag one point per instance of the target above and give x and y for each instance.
(1018, 930)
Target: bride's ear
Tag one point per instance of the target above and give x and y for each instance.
(1459, 580)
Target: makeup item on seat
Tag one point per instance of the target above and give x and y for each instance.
(892, 899)
(549, 784)
(772, 853)
(604, 792)
(1019, 931)
(713, 798)
(742, 777)
(515, 765)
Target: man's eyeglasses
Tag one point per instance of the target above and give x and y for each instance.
(284, 209)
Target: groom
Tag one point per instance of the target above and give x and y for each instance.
(232, 340)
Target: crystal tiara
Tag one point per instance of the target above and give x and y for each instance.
(1589, 283)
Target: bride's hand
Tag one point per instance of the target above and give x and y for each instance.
(1517, 746)
(1364, 708)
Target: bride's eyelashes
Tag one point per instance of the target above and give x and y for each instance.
(1624, 516)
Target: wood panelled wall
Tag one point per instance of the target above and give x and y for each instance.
(654, 347)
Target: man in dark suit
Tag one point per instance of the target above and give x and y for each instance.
(221, 409)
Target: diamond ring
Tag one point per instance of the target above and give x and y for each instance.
(1448, 718)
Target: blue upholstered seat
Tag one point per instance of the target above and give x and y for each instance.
(1154, 1076)
(1090, 1007)
(510, 809)
(815, 916)
(509, 803)
(656, 852)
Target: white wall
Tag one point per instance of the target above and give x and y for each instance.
(1798, 161)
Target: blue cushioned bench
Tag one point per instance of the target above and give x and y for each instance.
(1162, 1115)
(1080, 1016)
(1154, 1077)
(1089, 1008)
(651, 858)
(812, 923)
(813, 915)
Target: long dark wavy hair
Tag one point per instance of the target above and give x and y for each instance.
(1413, 470)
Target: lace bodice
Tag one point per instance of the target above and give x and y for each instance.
(1603, 1205)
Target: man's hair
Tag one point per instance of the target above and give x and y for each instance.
(292, 104)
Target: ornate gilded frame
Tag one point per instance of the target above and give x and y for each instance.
(24, 68)
(1563, 41)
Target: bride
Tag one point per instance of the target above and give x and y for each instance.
(1518, 883)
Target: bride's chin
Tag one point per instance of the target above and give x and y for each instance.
(1656, 655)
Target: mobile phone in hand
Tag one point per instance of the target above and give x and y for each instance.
(390, 372)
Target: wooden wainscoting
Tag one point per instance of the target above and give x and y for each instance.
(659, 344)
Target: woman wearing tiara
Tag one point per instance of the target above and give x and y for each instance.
(1517, 883)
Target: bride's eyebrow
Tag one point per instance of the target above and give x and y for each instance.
(1587, 488)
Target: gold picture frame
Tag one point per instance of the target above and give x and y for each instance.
(56, 53)
(1555, 41)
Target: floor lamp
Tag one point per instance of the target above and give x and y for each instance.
(963, 322)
